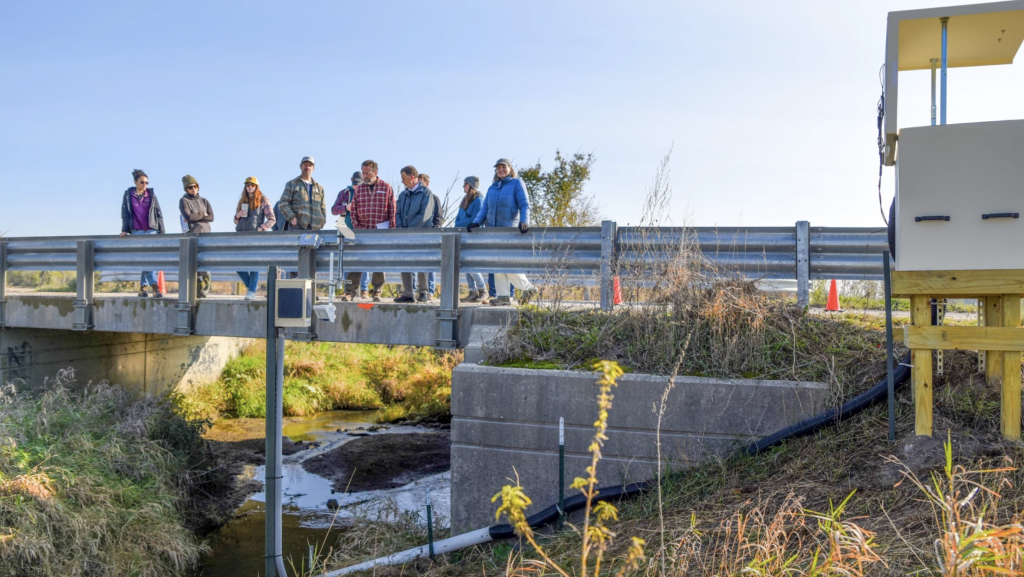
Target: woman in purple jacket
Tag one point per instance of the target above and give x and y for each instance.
(141, 214)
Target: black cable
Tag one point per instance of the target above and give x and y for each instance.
(881, 142)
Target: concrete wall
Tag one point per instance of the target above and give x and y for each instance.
(144, 363)
(505, 421)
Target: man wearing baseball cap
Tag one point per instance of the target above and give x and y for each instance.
(302, 203)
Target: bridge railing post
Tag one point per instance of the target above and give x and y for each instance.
(307, 269)
(85, 286)
(3, 282)
(803, 262)
(448, 313)
(609, 234)
(187, 254)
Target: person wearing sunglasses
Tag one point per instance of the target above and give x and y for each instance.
(141, 214)
(196, 214)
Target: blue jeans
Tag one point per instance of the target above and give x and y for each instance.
(148, 278)
(250, 278)
(364, 282)
(475, 281)
(493, 292)
(430, 283)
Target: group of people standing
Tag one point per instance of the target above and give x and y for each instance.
(369, 203)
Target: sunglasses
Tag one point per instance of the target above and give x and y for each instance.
(191, 186)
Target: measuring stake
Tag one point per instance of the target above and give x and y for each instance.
(887, 272)
(561, 471)
(430, 527)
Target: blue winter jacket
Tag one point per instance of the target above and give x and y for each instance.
(466, 215)
(506, 204)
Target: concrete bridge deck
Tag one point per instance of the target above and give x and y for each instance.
(228, 316)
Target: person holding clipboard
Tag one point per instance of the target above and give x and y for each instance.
(372, 206)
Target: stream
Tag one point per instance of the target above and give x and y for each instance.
(237, 548)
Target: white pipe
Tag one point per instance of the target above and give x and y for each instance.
(456, 543)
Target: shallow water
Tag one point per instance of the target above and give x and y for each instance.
(237, 548)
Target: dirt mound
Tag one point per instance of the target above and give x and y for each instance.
(383, 461)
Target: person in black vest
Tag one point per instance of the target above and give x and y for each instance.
(252, 214)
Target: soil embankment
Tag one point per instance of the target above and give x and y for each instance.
(237, 444)
(384, 461)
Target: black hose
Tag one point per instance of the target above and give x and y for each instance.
(806, 427)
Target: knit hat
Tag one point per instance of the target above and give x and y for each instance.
(357, 178)
(188, 180)
(252, 180)
(473, 182)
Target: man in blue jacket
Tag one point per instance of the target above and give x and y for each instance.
(417, 207)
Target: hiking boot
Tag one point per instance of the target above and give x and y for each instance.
(365, 295)
(472, 297)
(405, 299)
(376, 298)
(347, 297)
(528, 295)
(501, 301)
(157, 294)
(142, 293)
(423, 298)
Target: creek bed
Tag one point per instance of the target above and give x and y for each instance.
(400, 463)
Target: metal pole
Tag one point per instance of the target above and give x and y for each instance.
(561, 471)
(935, 62)
(430, 527)
(274, 563)
(608, 236)
(803, 262)
(888, 344)
(945, 64)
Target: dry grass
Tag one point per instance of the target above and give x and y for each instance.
(96, 483)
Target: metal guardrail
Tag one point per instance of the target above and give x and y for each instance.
(801, 252)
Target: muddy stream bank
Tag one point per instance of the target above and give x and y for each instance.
(384, 469)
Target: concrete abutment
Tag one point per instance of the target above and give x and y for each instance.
(143, 363)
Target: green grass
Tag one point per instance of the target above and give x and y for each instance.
(97, 483)
(403, 382)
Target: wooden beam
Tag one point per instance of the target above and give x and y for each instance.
(1010, 403)
(957, 283)
(994, 358)
(921, 373)
(964, 338)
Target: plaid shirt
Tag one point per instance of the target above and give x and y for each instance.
(373, 204)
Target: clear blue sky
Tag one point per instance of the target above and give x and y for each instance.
(770, 106)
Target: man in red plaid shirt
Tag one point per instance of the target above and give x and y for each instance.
(372, 206)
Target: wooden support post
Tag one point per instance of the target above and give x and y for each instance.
(1010, 402)
(994, 359)
(921, 373)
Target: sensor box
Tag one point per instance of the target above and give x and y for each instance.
(959, 197)
(294, 306)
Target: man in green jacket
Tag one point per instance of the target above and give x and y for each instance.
(302, 204)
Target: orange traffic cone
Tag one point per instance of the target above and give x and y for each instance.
(616, 291)
(833, 297)
(160, 284)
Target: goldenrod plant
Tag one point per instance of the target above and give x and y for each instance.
(596, 536)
